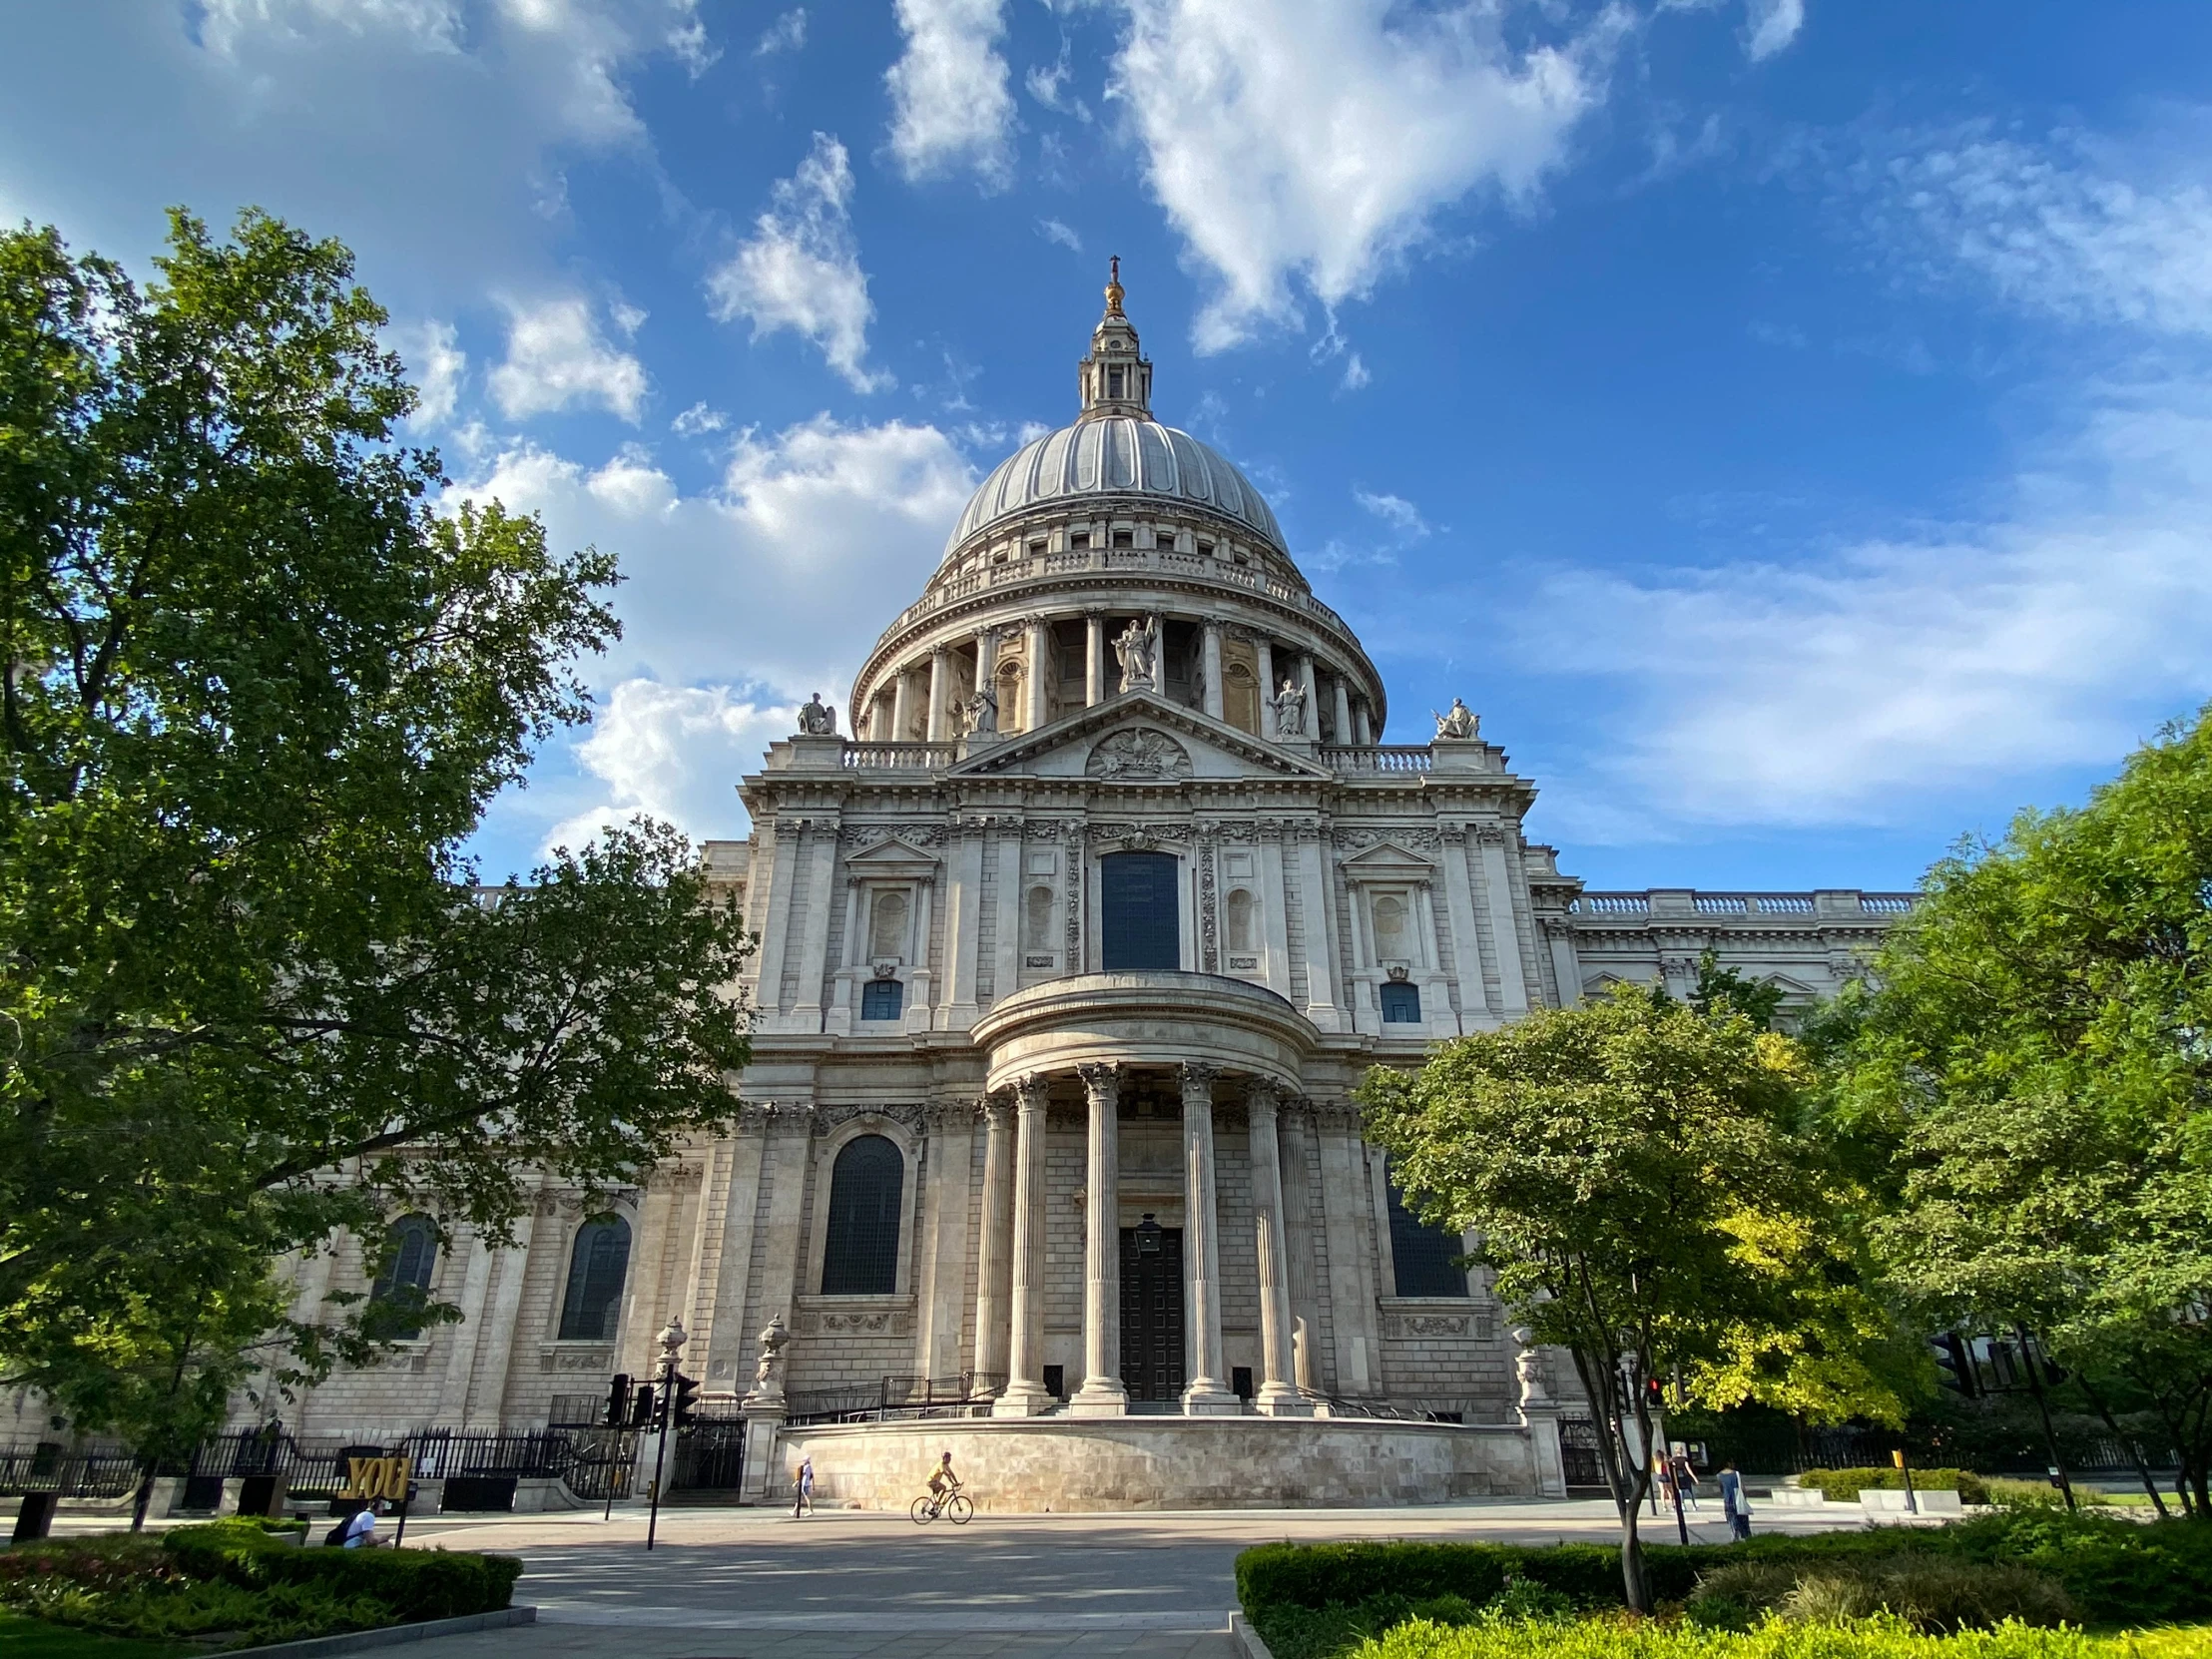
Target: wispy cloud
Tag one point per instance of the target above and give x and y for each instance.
(801, 269)
(786, 34)
(949, 105)
(557, 359)
(1053, 231)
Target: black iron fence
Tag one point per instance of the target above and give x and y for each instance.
(51, 1468)
(968, 1395)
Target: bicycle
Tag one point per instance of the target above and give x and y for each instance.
(953, 1506)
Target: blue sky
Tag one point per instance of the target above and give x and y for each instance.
(1789, 423)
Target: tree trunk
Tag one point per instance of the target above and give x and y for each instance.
(2042, 1409)
(2134, 1451)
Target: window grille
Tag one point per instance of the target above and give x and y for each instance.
(1137, 903)
(597, 1267)
(865, 1187)
(408, 1268)
(1424, 1255)
(1401, 1003)
(882, 999)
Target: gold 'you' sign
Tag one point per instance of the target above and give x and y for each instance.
(374, 1477)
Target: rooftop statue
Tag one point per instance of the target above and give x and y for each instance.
(1138, 648)
(1458, 724)
(1289, 708)
(816, 718)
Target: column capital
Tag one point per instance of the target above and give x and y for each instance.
(1031, 1091)
(1261, 1098)
(1101, 1079)
(1198, 1080)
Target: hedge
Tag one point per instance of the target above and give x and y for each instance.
(1649, 1639)
(1845, 1485)
(2116, 1571)
(415, 1583)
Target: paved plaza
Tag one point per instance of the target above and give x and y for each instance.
(756, 1584)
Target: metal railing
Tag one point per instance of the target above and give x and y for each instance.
(888, 1397)
(50, 1467)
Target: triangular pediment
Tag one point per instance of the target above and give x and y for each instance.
(1138, 738)
(891, 861)
(1388, 861)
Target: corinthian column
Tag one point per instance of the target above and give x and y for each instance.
(1025, 1394)
(1206, 1396)
(1278, 1397)
(994, 1263)
(1102, 1394)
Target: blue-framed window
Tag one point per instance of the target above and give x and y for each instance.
(882, 999)
(597, 1267)
(866, 1186)
(1401, 1003)
(1424, 1256)
(1137, 894)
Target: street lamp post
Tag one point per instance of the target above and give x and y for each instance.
(672, 1344)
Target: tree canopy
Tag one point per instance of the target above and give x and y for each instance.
(261, 686)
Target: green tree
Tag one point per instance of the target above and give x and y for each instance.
(1616, 1159)
(1718, 986)
(2036, 1054)
(258, 690)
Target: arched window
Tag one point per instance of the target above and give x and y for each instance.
(414, 1257)
(1401, 1003)
(882, 999)
(887, 927)
(1137, 905)
(1424, 1255)
(860, 1257)
(1240, 920)
(1039, 919)
(598, 1264)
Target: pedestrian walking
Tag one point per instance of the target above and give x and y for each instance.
(1733, 1503)
(802, 1483)
(1685, 1477)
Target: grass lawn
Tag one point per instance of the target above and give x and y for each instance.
(22, 1638)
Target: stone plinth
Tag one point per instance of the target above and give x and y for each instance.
(1099, 1464)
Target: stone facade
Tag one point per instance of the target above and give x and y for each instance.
(1117, 657)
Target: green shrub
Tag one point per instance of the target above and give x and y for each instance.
(413, 1583)
(1845, 1485)
(2036, 1494)
(1929, 1592)
(1594, 1639)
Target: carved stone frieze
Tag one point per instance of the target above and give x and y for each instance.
(564, 1357)
(1209, 937)
(832, 1117)
(1138, 753)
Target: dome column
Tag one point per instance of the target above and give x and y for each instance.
(1094, 658)
(1035, 638)
(941, 693)
(1265, 652)
(1344, 708)
(1205, 1396)
(1210, 665)
(1102, 1394)
(903, 704)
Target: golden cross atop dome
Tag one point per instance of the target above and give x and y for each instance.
(1113, 287)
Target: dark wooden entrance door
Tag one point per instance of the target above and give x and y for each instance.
(1152, 1313)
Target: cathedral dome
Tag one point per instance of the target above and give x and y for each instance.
(1120, 456)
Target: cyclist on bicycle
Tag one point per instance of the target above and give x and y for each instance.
(944, 1481)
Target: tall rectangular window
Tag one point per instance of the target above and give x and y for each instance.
(1138, 915)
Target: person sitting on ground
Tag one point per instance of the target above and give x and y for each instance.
(360, 1531)
(944, 1481)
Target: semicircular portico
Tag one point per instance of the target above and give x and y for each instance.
(1152, 1019)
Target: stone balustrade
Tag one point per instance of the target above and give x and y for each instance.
(1661, 903)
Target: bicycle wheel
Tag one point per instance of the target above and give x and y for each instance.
(923, 1511)
(958, 1510)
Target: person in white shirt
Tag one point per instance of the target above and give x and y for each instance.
(360, 1531)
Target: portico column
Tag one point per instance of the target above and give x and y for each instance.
(1210, 665)
(994, 1262)
(1025, 1395)
(1094, 659)
(1278, 1396)
(1297, 1238)
(903, 706)
(1265, 652)
(1033, 682)
(941, 693)
(1102, 1394)
(1206, 1396)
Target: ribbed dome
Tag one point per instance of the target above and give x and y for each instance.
(1115, 455)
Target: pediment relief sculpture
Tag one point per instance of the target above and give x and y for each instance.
(1138, 753)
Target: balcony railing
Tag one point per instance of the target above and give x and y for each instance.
(1162, 561)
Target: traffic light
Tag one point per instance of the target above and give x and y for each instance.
(640, 1407)
(618, 1400)
(1955, 1363)
(1655, 1394)
(682, 1398)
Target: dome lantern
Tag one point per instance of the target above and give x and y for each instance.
(1114, 380)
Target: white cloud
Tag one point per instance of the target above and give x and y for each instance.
(949, 103)
(802, 269)
(786, 34)
(1853, 688)
(675, 753)
(1356, 374)
(783, 575)
(1396, 511)
(1770, 25)
(1053, 231)
(698, 420)
(556, 358)
(1315, 139)
(2071, 228)
(437, 365)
